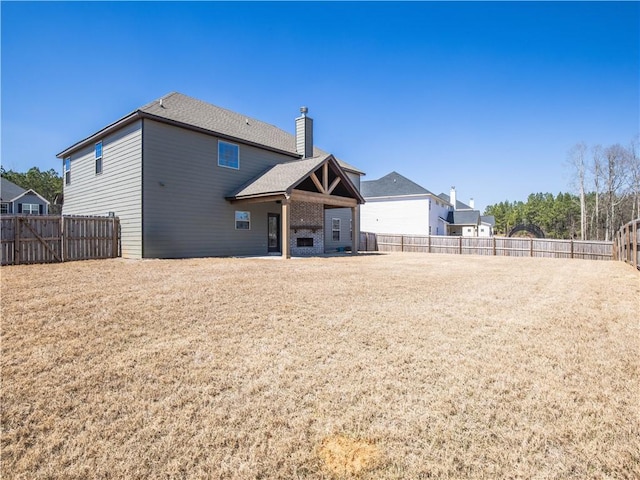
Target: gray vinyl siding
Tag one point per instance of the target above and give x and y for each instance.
(344, 214)
(185, 210)
(117, 189)
(29, 198)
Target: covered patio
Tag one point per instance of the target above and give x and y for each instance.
(297, 187)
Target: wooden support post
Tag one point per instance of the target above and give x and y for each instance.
(355, 229)
(494, 246)
(429, 244)
(286, 214)
(460, 245)
(402, 243)
(572, 248)
(531, 247)
(325, 176)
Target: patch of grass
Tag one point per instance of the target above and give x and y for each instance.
(385, 367)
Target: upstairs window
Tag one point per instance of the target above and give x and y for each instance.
(228, 155)
(335, 229)
(67, 170)
(98, 156)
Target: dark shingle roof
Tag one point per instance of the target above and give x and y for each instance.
(9, 190)
(490, 219)
(284, 177)
(280, 177)
(459, 204)
(391, 185)
(464, 217)
(180, 109)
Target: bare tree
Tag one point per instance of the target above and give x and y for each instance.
(577, 159)
(596, 171)
(615, 179)
(634, 176)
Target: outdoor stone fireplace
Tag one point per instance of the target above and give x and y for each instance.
(307, 231)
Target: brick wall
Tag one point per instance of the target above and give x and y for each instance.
(307, 221)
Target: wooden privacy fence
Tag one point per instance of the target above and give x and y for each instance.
(496, 246)
(52, 238)
(626, 244)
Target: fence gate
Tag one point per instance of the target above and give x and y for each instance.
(52, 238)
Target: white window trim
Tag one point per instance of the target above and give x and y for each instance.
(31, 205)
(334, 229)
(98, 158)
(228, 166)
(248, 221)
(67, 171)
(4, 207)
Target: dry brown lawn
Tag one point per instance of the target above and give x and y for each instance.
(401, 366)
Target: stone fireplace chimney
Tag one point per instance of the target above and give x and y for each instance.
(304, 134)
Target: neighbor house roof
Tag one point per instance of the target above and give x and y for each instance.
(284, 177)
(489, 219)
(184, 111)
(10, 192)
(391, 185)
(459, 204)
(463, 217)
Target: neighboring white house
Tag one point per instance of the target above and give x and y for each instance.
(464, 220)
(397, 205)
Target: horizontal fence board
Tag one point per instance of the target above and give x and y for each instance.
(30, 239)
(493, 246)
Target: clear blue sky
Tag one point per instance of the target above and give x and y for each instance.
(488, 97)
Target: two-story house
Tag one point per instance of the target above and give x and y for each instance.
(397, 205)
(190, 179)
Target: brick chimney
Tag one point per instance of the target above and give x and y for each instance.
(452, 197)
(304, 134)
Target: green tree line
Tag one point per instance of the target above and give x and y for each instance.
(558, 216)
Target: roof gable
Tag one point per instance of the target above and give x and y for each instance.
(9, 190)
(391, 185)
(187, 112)
(282, 178)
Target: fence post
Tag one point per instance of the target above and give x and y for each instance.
(402, 243)
(429, 243)
(531, 247)
(494, 246)
(460, 245)
(16, 241)
(629, 246)
(635, 244)
(572, 248)
(116, 236)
